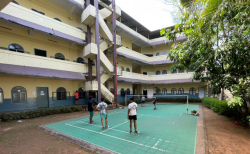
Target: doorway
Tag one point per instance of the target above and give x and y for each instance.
(145, 93)
(201, 92)
(42, 97)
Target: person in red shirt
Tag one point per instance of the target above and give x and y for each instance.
(76, 96)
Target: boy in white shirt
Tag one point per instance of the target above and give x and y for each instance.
(132, 109)
(103, 113)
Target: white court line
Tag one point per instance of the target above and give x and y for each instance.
(180, 114)
(110, 136)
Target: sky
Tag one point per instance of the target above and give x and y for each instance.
(153, 14)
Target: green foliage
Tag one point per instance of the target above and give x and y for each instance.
(236, 101)
(38, 113)
(220, 107)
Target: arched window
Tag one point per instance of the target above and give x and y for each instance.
(173, 91)
(173, 71)
(164, 53)
(111, 90)
(59, 56)
(192, 91)
(122, 92)
(158, 73)
(164, 72)
(158, 91)
(128, 91)
(15, 2)
(93, 63)
(80, 60)
(19, 95)
(127, 69)
(158, 54)
(1, 95)
(82, 93)
(61, 94)
(79, 28)
(181, 91)
(58, 19)
(181, 71)
(16, 48)
(122, 68)
(164, 91)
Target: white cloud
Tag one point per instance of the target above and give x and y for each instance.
(153, 14)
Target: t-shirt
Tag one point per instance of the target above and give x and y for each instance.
(90, 103)
(102, 106)
(132, 107)
(143, 98)
(76, 95)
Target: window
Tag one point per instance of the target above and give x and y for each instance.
(128, 91)
(181, 71)
(82, 94)
(1, 95)
(157, 73)
(15, 2)
(79, 28)
(39, 52)
(158, 54)
(16, 48)
(122, 68)
(164, 72)
(93, 63)
(164, 53)
(164, 91)
(58, 19)
(192, 91)
(158, 91)
(173, 71)
(122, 92)
(61, 94)
(181, 91)
(38, 11)
(127, 69)
(173, 91)
(19, 94)
(59, 56)
(80, 60)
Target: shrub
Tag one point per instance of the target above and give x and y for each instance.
(220, 107)
(38, 113)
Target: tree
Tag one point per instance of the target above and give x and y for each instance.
(217, 46)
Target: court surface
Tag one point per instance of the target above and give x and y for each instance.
(168, 129)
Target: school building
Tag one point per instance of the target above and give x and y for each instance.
(51, 48)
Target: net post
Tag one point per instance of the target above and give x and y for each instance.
(187, 104)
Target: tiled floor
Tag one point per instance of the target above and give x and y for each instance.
(166, 130)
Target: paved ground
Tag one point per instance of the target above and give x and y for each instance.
(24, 138)
(169, 129)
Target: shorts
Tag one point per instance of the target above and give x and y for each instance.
(91, 113)
(142, 101)
(133, 117)
(76, 99)
(103, 115)
(154, 103)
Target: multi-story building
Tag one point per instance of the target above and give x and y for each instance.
(48, 50)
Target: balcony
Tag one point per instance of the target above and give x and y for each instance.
(128, 53)
(34, 20)
(156, 79)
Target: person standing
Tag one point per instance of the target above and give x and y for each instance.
(154, 102)
(76, 97)
(132, 111)
(103, 113)
(143, 101)
(91, 110)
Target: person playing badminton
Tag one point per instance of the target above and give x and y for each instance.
(132, 109)
(91, 110)
(143, 101)
(154, 102)
(103, 113)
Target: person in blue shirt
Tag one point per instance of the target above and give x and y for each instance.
(103, 113)
(91, 110)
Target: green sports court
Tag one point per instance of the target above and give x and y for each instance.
(169, 129)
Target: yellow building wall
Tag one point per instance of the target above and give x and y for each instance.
(53, 11)
(120, 86)
(147, 50)
(162, 48)
(137, 49)
(30, 84)
(38, 41)
(126, 43)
